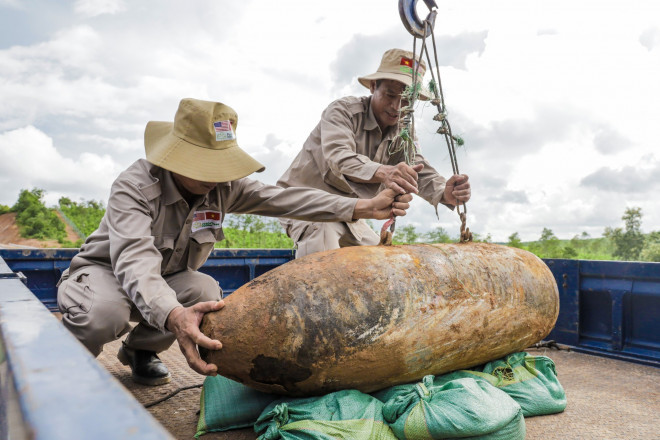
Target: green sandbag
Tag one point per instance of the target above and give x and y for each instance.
(529, 380)
(346, 414)
(226, 404)
(462, 408)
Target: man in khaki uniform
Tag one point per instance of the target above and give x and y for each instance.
(347, 154)
(162, 220)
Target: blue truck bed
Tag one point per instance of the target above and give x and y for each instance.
(609, 309)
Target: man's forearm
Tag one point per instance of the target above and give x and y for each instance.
(377, 177)
(363, 209)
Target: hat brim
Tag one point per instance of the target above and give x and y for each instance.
(424, 94)
(205, 164)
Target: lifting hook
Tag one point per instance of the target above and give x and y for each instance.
(411, 20)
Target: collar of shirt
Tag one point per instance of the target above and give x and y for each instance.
(370, 122)
(171, 194)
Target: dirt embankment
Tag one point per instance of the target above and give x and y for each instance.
(11, 238)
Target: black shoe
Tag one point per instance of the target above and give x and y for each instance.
(147, 368)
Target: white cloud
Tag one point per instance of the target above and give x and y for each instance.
(31, 160)
(92, 8)
(607, 141)
(650, 38)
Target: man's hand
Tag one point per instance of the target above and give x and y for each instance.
(184, 323)
(457, 189)
(401, 177)
(386, 203)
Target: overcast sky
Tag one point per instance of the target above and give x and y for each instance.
(558, 101)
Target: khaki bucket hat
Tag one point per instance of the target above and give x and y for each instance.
(200, 144)
(397, 64)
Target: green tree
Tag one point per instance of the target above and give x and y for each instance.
(405, 234)
(84, 217)
(651, 249)
(514, 241)
(246, 222)
(477, 238)
(569, 252)
(252, 231)
(437, 235)
(4, 209)
(34, 219)
(628, 243)
(548, 245)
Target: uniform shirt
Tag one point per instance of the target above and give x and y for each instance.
(149, 230)
(348, 142)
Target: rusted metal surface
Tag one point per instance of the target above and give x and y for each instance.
(373, 316)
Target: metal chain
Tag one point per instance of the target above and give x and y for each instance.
(438, 100)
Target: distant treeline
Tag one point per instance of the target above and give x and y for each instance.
(628, 243)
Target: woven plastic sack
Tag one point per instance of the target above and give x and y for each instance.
(226, 404)
(346, 414)
(462, 408)
(529, 380)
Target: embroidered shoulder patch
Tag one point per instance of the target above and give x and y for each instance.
(206, 219)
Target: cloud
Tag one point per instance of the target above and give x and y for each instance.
(113, 145)
(627, 180)
(517, 197)
(293, 76)
(650, 38)
(53, 77)
(276, 154)
(517, 136)
(92, 8)
(31, 160)
(454, 50)
(609, 141)
(362, 55)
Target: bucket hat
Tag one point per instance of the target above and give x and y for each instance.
(397, 64)
(200, 144)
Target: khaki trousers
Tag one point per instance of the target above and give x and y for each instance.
(311, 237)
(97, 310)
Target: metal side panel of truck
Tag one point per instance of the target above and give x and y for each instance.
(607, 308)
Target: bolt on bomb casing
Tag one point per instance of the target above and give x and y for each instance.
(369, 317)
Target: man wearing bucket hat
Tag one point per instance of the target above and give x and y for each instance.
(347, 154)
(162, 220)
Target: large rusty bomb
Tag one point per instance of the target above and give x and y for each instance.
(369, 317)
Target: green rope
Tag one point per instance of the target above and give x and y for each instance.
(433, 88)
(411, 92)
(405, 134)
(403, 142)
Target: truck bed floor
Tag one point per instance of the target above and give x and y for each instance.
(607, 398)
